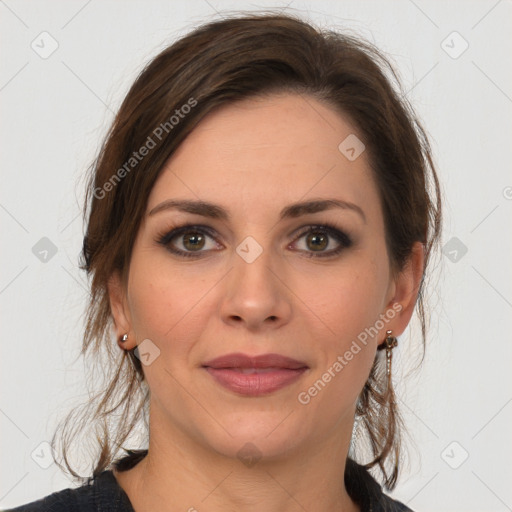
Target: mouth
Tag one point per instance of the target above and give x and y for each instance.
(264, 361)
(255, 375)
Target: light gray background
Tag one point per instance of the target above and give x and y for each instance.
(55, 111)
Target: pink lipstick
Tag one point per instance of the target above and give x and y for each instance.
(255, 375)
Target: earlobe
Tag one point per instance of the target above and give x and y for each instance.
(407, 284)
(118, 305)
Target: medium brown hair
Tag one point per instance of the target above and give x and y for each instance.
(216, 64)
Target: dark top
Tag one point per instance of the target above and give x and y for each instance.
(103, 494)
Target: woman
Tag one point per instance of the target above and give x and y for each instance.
(260, 221)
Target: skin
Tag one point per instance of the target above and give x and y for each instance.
(254, 158)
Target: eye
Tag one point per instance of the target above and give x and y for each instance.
(323, 241)
(192, 241)
(188, 241)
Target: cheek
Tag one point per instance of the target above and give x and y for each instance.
(166, 305)
(348, 298)
(348, 302)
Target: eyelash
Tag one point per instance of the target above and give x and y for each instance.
(330, 230)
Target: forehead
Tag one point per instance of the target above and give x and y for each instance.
(275, 149)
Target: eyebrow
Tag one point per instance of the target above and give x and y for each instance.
(291, 211)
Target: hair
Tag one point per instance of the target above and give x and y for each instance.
(217, 64)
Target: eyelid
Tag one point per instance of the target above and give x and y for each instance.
(344, 239)
(168, 234)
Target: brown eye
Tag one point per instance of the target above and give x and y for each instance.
(322, 241)
(317, 241)
(194, 241)
(189, 240)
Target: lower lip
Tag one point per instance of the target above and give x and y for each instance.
(255, 384)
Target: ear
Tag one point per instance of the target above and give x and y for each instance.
(120, 310)
(406, 287)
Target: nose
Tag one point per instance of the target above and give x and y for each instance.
(256, 296)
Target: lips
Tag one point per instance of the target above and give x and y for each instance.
(255, 375)
(265, 361)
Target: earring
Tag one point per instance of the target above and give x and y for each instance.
(389, 343)
(122, 339)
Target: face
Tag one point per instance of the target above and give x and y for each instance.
(251, 275)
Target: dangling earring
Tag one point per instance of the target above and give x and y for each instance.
(389, 343)
(389, 411)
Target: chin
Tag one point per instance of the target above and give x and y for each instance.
(250, 450)
(254, 437)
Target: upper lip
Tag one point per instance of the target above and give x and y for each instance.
(238, 360)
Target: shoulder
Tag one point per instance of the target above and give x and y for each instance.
(60, 501)
(101, 493)
(366, 491)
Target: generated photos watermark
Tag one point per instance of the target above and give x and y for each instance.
(304, 397)
(157, 135)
